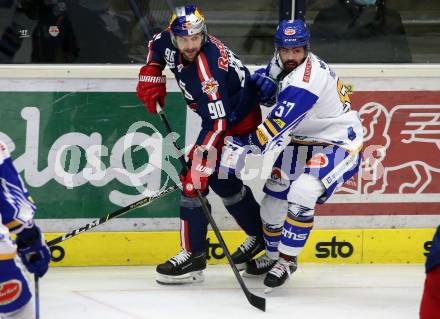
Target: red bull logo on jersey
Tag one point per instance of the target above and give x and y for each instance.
(210, 86)
(9, 291)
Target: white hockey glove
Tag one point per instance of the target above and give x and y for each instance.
(233, 155)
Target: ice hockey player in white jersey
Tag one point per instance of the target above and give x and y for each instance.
(311, 108)
(29, 250)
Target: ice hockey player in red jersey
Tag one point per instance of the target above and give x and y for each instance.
(217, 86)
(430, 305)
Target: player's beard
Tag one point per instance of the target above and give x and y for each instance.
(190, 55)
(290, 65)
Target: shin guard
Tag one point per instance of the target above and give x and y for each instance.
(245, 210)
(193, 225)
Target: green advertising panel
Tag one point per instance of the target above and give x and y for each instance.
(82, 154)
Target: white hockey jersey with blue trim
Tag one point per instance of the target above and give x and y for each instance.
(312, 106)
(16, 207)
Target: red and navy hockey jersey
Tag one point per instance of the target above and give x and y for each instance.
(216, 85)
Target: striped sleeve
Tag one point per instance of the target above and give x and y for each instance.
(16, 206)
(292, 106)
(213, 138)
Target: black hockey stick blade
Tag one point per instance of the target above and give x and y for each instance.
(256, 301)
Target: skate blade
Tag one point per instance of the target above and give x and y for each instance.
(189, 278)
(241, 266)
(269, 290)
(248, 275)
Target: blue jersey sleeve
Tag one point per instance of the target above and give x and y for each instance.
(16, 206)
(433, 259)
(292, 105)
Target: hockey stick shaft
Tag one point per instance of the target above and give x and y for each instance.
(37, 297)
(254, 300)
(117, 213)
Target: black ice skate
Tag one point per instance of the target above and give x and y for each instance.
(247, 250)
(259, 266)
(183, 268)
(280, 273)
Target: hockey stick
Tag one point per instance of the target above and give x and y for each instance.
(37, 297)
(119, 212)
(254, 300)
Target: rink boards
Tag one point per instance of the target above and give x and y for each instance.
(385, 214)
(71, 129)
(349, 246)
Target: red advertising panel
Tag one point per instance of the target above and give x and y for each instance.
(400, 171)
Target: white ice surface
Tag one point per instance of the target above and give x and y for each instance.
(315, 291)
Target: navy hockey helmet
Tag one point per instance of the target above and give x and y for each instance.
(292, 34)
(187, 20)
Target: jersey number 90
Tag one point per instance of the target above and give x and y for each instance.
(216, 109)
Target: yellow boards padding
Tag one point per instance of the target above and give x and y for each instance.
(131, 248)
(401, 246)
(343, 246)
(333, 246)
